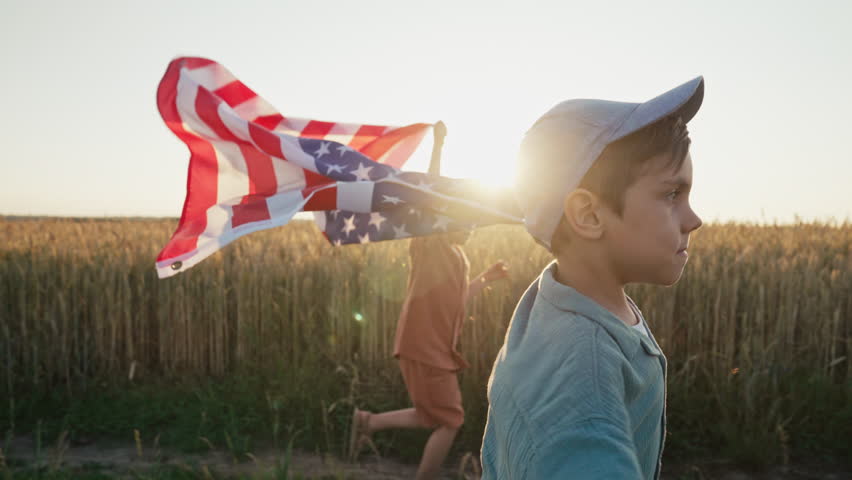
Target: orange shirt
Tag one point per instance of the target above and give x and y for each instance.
(432, 315)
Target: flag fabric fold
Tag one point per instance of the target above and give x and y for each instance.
(252, 168)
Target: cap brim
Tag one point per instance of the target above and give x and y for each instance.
(684, 101)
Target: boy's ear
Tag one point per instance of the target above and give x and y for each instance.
(582, 211)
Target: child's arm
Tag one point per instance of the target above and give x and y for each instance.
(592, 449)
(498, 271)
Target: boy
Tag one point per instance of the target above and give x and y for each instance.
(578, 388)
(427, 333)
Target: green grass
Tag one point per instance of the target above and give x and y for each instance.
(242, 413)
(187, 416)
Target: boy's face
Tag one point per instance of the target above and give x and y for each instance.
(648, 242)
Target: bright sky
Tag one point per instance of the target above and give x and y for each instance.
(81, 134)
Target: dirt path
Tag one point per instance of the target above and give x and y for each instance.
(125, 460)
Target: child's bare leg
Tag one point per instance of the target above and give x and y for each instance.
(364, 424)
(436, 450)
(406, 418)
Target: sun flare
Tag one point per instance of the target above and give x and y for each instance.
(475, 154)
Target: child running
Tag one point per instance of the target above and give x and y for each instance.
(428, 331)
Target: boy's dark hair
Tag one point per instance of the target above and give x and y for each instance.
(622, 162)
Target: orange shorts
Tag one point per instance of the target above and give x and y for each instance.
(434, 392)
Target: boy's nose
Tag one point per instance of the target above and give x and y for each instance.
(693, 221)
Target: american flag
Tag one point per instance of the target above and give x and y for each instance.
(252, 168)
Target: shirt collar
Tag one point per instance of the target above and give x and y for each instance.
(568, 299)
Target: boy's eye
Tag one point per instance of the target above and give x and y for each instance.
(673, 194)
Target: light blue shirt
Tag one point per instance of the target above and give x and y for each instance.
(574, 393)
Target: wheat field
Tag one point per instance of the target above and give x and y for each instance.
(762, 314)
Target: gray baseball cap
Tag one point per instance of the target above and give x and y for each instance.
(562, 145)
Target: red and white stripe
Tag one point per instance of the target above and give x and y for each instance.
(246, 170)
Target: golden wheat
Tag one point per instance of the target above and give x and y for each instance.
(81, 300)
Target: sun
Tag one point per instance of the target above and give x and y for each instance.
(477, 155)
